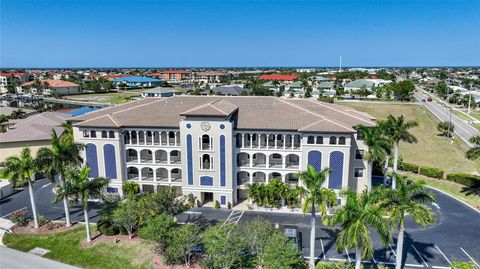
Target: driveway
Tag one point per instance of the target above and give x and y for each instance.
(455, 236)
(44, 196)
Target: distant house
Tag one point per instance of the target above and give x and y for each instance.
(173, 75)
(276, 87)
(137, 82)
(8, 77)
(54, 86)
(231, 90)
(279, 77)
(324, 88)
(295, 89)
(160, 92)
(33, 132)
(60, 75)
(208, 76)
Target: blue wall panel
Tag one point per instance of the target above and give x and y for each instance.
(336, 176)
(92, 161)
(189, 159)
(315, 160)
(223, 200)
(222, 161)
(110, 161)
(206, 181)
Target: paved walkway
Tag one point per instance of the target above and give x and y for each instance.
(14, 259)
(5, 225)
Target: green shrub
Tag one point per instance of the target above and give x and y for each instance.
(468, 180)
(463, 265)
(229, 205)
(334, 265)
(431, 172)
(42, 220)
(217, 204)
(410, 167)
(20, 218)
(107, 227)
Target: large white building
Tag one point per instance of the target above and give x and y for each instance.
(213, 146)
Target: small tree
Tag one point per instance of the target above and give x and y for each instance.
(446, 128)
(221, 247)
(281, 252)
(127, 215)
(157, 230)
(257, 234)
(474, 153)
(20, 171)
(130, 188)
(183, 240)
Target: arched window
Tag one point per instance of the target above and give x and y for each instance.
(333, 140)
(111, 134)
(141, 137)
(104, 134)
(311, 140)
(134, 137)
(319, 140)
(341, 140)
(93, 134)
(206, 162)
(171, 138)
(149, 137)
(126, 137)
(206, 142)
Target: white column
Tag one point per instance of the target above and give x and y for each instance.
(169, 175)
(251, 177)
(267, 160)
(243, 141)
(154, 175)
(293, 141)
(284, 140)
(168, 157)
(283, 178)
(284, 161)
(251, 140)
(275, 141)
(138, 156)
(175, 137)
(251, 159)
(139, 174)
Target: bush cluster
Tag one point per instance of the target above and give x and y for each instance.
(20, 218)
(468, 180)
(410, 167)
(431, 172)
(275, 194)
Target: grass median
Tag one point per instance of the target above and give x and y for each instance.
(65, 247)
(431, 150)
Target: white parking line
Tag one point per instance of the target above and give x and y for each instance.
(414, 265)
(324, 257)
(14, 212)
(193, 212)
(441, 267)
(414, 248)
(392, 250)
(443, 255)
(470, 257)
(46, 185)
(348, 256)
(436, 205)
(337, 259)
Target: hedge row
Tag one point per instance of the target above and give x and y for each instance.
(410, 167)
(431, 172)
(468, 180)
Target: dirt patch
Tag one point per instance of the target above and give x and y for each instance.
(113, 239)
(50, 227)
(158, 264)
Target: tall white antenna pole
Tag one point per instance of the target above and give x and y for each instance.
(340, 64)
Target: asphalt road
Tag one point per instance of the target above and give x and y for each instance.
(44, 196)
(455, 236)
(462, 129)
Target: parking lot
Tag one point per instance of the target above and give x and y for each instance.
(455, 236)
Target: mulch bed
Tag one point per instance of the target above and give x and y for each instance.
(50, 227)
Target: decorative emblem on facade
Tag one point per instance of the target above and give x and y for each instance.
(205, 126)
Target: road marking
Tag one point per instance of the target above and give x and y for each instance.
(373, 259)
(470, 257)
(424, 262)
(436, 205)
(46, 185)
(443, 255)
(441, 267)
(193, 212)
(414, 265)
(323, 250)
(337, 259)
(14, 212)
(348, 256)
(395, 254)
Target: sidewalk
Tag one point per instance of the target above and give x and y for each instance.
(5, 225)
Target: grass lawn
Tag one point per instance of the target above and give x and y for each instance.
(111, 97)
(431, 149)
(452, 188)
(65, 247)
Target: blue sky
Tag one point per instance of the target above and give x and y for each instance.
(238, 33)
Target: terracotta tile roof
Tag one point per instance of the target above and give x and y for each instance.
(253, 113)
(278, 77)
(12, 74)
(54, 83)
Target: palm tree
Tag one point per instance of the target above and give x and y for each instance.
(378, 144)
(315, 195)
(474, 153)
(79, 188)
(360, 212)
(407, 199)
(64, 153)
(397, 129)
(21, 170)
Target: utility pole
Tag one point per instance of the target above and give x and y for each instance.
(450, 115)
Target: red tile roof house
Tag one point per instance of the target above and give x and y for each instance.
(56, 86)
(7, 77)
(279, 77)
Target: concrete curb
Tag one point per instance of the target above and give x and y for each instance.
(5, 226)
(463, 202)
